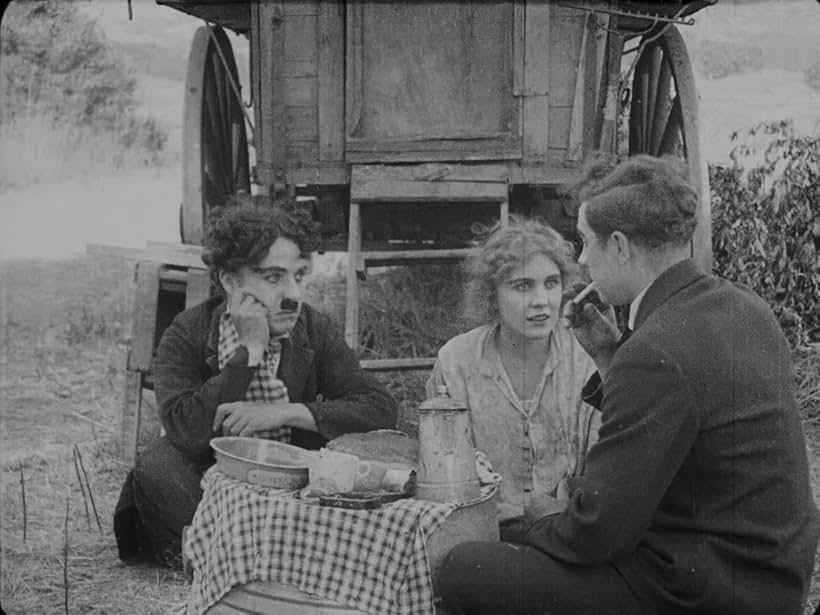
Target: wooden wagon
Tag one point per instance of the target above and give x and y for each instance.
(404, 122)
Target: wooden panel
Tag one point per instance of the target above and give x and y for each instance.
(299, 92)
(579, 99)
(560, 119)
(273, 81)
(300, 37)
(565, 36)
(268, 94)
(429, 155)
(536, 79)
(331, 80)
(433, 172)
(319, 173)
(428, 74)
(301, 7)
(131, 415)
(306, 68)
(377, 190)
(300, 153)
(519, 23)
(301, 123)
(146, 296)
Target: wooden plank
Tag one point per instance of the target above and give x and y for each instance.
(301, 153)
(559, 118)
(536, 80)
(377, 190)
(391, 256)
(330, 83)
(300, 37)
(298, 92)
(272, 91)
(565, 32)
(542, 174)
(169, 254)
(353, 69)
(576, 122)
(197, 287)
(443, 155)
(143, 330)
(319, 173)
(519, 23)
(354, 242)
(295, 68)
(432, 172)
(131, 416)
(301, 123)
(419, 363)
(301, 7)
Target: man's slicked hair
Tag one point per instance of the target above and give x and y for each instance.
(650, 200)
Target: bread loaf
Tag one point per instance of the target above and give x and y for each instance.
(385, 445)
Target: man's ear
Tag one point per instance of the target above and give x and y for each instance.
(623, 247)
(228, 280)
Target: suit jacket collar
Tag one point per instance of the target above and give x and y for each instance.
(671, 281)
(297, 355)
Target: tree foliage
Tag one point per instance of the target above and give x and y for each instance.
(764, 216)
(56, 64)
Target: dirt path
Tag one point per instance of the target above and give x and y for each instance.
(58, 221)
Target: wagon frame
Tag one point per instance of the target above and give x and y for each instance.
(508, 110)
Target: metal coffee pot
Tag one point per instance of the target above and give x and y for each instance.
(446, 465)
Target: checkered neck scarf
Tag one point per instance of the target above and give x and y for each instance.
(261, 386)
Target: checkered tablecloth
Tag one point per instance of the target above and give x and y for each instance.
(372, 560)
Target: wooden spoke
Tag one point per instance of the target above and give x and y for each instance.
(663, 120)
(215, 144)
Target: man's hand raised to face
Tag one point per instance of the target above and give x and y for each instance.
(593, 324)
(250, 317)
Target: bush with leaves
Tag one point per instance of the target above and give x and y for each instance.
(58, 66)
(763, 217)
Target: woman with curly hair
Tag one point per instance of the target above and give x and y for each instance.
(254, 360)
(521, 371)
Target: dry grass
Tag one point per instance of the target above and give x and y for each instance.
(62, 325)
(34, 149)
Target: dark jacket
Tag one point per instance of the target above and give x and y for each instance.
(316, 365)
(697, 490)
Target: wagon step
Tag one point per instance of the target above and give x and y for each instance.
(423, 183)
(404, 257)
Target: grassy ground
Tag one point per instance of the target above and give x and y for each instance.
(63, 349)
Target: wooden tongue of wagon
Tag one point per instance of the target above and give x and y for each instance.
(407, 122)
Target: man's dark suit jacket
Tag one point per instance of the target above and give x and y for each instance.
(316, 365)
(697, 490)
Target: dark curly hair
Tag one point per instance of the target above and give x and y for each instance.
(504, 248)
(243, 230)
(650, 200)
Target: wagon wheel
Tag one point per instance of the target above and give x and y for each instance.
(215, 145)
(663, 119)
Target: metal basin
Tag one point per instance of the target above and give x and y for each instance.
(262, 462)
